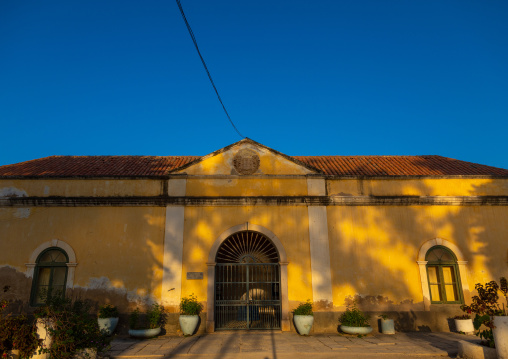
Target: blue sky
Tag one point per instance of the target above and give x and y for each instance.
(333, 77)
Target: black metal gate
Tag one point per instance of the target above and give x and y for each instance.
(247, 296)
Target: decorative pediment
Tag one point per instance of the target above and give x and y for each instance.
(247, 158)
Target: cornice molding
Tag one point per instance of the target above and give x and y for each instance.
(160, 201)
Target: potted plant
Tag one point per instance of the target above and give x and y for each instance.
(18, 335)
(71, 327)
(463, 323)
(189, 314)
(151, 326)
(387, 325)
(354, 321)
(303, 317)
(491, 315)
(108, 318)
(500, 322)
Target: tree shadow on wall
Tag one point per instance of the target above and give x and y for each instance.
(380, 237)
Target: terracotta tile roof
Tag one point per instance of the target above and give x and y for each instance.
(398, 166)
(96, 166)
(157, 166)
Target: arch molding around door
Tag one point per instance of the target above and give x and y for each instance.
(247, 283)
(283, 282)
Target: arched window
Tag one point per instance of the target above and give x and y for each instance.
(50, 275)
(443, 276)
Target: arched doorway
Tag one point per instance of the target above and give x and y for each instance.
(247, 291)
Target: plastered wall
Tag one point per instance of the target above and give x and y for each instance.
(247, 187)
(388, 238)
(84, 187)
(373, 249)
(203, 225)
(418, 187)
(118, 250)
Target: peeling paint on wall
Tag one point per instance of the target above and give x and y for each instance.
(8, 214)
(4, 267)
(15, 286)
(9, 192)
(22, 213)
(137, 296)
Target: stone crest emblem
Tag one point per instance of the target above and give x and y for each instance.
(246, 162)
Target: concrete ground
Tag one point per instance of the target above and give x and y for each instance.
(284, 345)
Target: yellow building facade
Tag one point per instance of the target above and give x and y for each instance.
(253, 232)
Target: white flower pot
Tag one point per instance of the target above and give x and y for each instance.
(188, 323)
(303, 323)
(87, 353)
(464, 325)
(107, 324)
(473, 350)
(387, 326)
(42, 325)
(356, 330)
(12, 354)
(144, 333)
(501, 336)
(42, 333)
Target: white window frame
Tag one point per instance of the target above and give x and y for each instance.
(422, 264)
(71, 265)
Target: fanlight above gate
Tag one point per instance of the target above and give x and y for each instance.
(247, 247)
(247, 283)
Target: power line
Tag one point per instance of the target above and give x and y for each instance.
(206, 68)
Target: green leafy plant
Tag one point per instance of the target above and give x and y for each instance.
(190, 305)
(17, 332)
(503, 287)
(72, 327)
(134, 319)
(462, 317)
(485, 305)
(108, 311)
(154, 318)
(304, 308)
(354, 317)
(155, 315)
